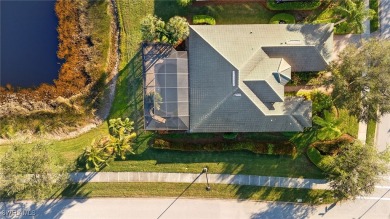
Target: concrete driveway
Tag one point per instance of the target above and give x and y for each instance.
(384, 13)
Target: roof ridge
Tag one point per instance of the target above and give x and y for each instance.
(219, 52)
(215, 107)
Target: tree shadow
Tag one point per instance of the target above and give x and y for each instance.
(129, 95)
(54, 206)
(285, 210)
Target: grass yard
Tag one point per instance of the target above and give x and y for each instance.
(100, 34)
(238, 13)
(196, 191)
(370, 135)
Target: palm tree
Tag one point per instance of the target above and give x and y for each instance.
(122, 144)
(328, 126)
(354, 13)
(118, 125)
(97, 154)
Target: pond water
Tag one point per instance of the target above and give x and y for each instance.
(28, 42)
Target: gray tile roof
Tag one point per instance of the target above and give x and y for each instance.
(251, 55)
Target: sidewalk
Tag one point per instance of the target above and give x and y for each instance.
(249, 180)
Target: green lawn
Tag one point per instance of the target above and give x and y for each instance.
(350, 124)
(245, 13)
(196, 191)
(100, 35)
(370, 135)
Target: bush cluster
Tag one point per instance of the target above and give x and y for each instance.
(203, 19)
(282, 18)
(321, 161)
(184, 3)
(301, 5)
(275, 148)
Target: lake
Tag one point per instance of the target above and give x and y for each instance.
(28, 42)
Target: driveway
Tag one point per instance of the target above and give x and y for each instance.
(383, 133)
(384, 12)
(383, 128)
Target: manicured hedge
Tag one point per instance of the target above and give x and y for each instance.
(203, 19)
(374, 23)
(301, 5)
(331, 147)
(321, 161)
(230, 135)
(277, 148)
(287, 18)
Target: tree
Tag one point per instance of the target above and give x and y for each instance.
(361, 80)
(152, 28)
(118, 144)
(321, 102)
(31, 171)
(328, 126)
(177, 30)
(354, 13)
(119, 126)
(356, 170)
(121, 136)
(98, 154)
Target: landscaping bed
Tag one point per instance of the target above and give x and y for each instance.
(282, 18)
(331, 147)
(321, 161)
(203, 19)
(275, 148)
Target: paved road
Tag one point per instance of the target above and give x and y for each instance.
(152, 208)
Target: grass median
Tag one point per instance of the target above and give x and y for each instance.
(174, 190)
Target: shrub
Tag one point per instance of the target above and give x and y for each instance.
(321, 102)
(322, 162)
(230, 135)
(203, 19)
(303, 5)
(282, 18)
(305, 94)
(184, 3)
(303, 78)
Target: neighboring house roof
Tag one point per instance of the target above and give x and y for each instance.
(238, 73)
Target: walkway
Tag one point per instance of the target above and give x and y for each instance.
(249, 180)
(383, 126)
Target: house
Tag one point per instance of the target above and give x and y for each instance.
(232, 78)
